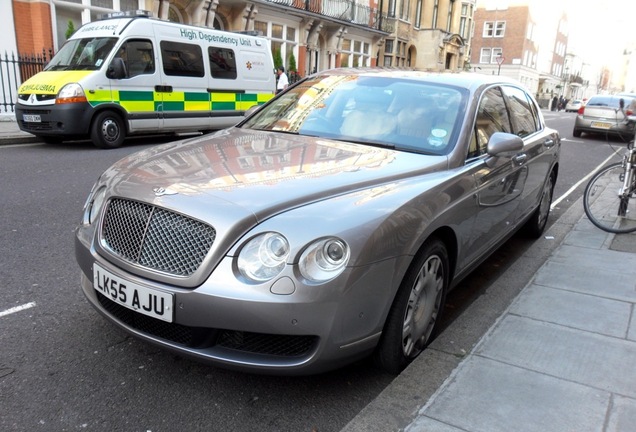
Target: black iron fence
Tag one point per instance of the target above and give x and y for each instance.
(14, 70)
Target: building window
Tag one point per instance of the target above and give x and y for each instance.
(405, 9)
(354, 53)
(283, 38)
(465, 20)
(449, 18)
(494, 29)
(391, 10)
(418, 14)
(489, 55)
(435, 11)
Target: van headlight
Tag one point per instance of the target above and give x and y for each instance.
(263, 257)
(324, 259)
(70, 93)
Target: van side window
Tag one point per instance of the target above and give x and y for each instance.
(181, 59)
(138, 56)
(222, 63)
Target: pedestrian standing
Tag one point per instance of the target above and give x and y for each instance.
(283, 81)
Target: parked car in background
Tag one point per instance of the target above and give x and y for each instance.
(573, 105)
(326, 227)
(602, 115)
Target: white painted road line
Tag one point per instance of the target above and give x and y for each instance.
(17, 309)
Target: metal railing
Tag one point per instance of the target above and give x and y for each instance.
(344, 10)
(14, 70)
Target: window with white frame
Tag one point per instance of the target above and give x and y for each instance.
(283, 37)
(494, 29)
(355, 53)
(490, 55)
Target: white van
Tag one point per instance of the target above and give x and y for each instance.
(134, 74)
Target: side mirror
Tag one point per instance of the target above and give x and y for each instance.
(251, 110)
(116, 69)
(503, 144)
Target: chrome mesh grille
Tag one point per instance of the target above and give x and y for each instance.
(156, 238)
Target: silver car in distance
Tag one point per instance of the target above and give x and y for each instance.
(326, 227)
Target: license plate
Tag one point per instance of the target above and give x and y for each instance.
(147, 301)
(601, 125)
(32, 118)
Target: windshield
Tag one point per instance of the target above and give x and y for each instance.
(404, 114)
(82, 54)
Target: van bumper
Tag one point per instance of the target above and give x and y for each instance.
(67, 120)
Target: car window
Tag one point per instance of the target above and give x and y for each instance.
(605, 101)
(408, 115)
(492, 116)
(523, 118)
(138, 57)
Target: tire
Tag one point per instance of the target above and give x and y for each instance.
(416, 310)
(576, 133)
(108, 130)
(539, 219)
(603, 205)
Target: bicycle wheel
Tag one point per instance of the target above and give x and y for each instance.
(603, 205)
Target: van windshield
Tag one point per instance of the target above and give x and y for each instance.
(82, 54)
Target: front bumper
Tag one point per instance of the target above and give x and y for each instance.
(67, 120)
(225, 323)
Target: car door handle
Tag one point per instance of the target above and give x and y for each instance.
(549, 142)
(520, 159)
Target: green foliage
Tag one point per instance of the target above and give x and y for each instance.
(291, 62)
(278, 59)
(70, 29)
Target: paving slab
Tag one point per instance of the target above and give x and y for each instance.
(490, 396)
(576, 310)
(578, 356)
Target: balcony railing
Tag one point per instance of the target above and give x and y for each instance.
(344, 10)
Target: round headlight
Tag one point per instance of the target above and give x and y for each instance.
(324, 259)
(94, 205)
(263, 257)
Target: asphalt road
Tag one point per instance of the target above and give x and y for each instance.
(63, 368)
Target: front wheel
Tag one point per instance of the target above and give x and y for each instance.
(537, 222)
(108, 130)
(603, 205)
(416, 309)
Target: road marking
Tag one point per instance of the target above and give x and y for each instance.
(577, 184)
(17, 309)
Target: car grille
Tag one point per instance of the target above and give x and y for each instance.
(198, 337)
(156, 238)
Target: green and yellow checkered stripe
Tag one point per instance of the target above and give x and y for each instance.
(151, 101)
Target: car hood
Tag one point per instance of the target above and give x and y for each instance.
(260, 172)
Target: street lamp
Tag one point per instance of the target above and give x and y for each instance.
(500, 60)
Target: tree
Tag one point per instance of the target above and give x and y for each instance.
(70, 29)
(278, 59)
(291, 62)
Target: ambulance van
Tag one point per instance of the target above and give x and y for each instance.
(132, 74)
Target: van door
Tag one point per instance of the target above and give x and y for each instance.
(183, 90)
(135, 92)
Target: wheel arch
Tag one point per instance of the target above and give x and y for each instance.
(117, 109)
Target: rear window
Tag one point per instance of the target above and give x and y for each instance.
(608, 101)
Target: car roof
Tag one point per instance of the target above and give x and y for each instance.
(460, 79)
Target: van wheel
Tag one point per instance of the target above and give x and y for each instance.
(108, 130)
(416, 310)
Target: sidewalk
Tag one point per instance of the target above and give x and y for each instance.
(10, 133)
(562, 357)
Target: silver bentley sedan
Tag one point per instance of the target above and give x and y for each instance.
(327, 226)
